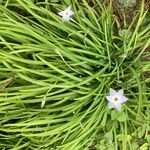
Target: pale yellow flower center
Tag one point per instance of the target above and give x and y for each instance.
(66, 13)
(116, 99)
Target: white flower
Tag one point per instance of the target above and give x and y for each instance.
(116, 99)
(66, 14)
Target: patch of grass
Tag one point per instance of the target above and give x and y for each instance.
(55, 76)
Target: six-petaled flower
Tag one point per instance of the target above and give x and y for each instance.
(66, 14)
(116, 99)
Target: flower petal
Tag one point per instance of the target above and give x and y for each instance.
(118, 106)
(68, 8)
(61, 13)
(121, 96)
(112, 92)
(65, 18)
(111, 105)
(109, 98)
(124, 99)
(120, 92)
(71, 13)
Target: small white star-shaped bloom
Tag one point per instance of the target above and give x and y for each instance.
(66, 14)
(116, 99)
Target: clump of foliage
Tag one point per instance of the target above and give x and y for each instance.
(55, 76)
